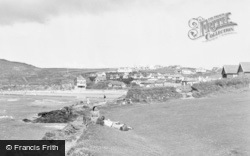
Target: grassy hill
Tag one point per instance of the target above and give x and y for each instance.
(16, 74)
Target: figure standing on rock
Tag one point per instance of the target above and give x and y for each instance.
(104, 97)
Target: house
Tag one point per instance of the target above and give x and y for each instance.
(101, 74)
(113, 76)
(125, 76)
(138, 82)
(125, 70)
(147, 83)
(81, 82)
(200, 70)
(177, 77)
(187, 71)
(244, 68)
(229, 71)
(116, 84)
(159, 83)
(161, 77)
(188, 81)
(98, 79)
(92, 75)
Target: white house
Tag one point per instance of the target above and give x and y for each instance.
(200, 70)
(187, 71)
(124, 70)
(81, 82)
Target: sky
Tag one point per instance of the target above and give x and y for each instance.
(119, 33)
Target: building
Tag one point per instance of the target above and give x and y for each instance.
(187, 71)
(244, 68)
(125, 70)
(101, 74)
(112, 76)
(229, 71)
(98, 79)
(159, 83)
(189, 81)
(117, 85)
(200, 70)
(81, 82)
(148, 83)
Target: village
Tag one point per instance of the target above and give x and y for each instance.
(174, 76)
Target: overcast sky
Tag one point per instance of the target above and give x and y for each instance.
(113, 33)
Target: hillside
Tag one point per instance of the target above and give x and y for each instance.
(17, 73)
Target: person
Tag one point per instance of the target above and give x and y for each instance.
(95, 114)
(104, 97)
(100, 120)
(88, 101)
(117, 125)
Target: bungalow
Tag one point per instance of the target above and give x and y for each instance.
(138, 82)
(99, 79)
(200, 70)
(187, 71)
(113, 76)
(124, 70)
(244, 68)
(188, 81)
(229, 71)
(125, 76)
(159, 83)
(177, 77)
(147, 83)
(81, 82)
(116, 84)
(101, 74)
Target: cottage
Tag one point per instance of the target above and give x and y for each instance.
(113, 76)
(81, 82)
(101, 74)
(244, 68)
(116, 84)
(125, 70)
(188, 81)
(201, 70)
(229, 71)
(148, 83)
(187, 71)
(159, 83)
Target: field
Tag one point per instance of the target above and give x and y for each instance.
(218, 125)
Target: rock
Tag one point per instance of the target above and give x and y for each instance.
(26, 120)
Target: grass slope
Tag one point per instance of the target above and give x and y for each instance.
(208, 126)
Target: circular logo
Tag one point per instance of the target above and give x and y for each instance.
(8, 147)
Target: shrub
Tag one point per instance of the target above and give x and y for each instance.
(213, 86)
(152, 94)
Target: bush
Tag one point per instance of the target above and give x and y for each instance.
(152, 94)
(213, 86)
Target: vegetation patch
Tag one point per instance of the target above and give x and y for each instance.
(152, 94)
(205, 88)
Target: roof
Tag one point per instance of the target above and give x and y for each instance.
(230, 69)
(245, 66)
(80, 77)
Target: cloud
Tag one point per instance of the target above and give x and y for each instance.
(16, 11)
